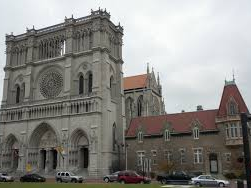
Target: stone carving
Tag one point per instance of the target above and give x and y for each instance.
(94, 141)
(51, 84)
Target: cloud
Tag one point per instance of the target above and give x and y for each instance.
(194, 44)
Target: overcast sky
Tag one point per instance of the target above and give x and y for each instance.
(194, 45)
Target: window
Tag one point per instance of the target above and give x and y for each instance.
(232, 108)
(90, 83)
(113, 136)
(140, 105)
(233, 130)
(81, 85)
(228, 157)
(167, 135)
(112, 87)
(198, 156)
(140, 137)
(196, 133)
(140, 156)
(182, 156)
(168, 155)
(154, 153)
(18, 94)
(227, 131)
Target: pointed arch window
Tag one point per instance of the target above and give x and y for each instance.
(113, 136)
(112, 87)
(81, 85)
(18, 94)
(140, 105)
(90, 78)
(140, 136)
(167, 135)
(232, 108)
(196, 133)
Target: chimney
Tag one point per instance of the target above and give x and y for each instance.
(182, 111)
(199, 108)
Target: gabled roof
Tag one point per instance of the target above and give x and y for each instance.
(178, 123)
(231, 91)
(135, 82)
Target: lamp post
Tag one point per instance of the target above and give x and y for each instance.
(244, 120)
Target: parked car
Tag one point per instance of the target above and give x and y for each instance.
(32, 178)
(209, 180)
(111, 177)
(68, 177)
(6, 178)
(174, 177)
(132, 177)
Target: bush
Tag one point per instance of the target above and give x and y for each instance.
(230, 175)
(152, 175)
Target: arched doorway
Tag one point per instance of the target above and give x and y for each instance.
(11, 154)
(213, 162)
(42, 148)
(79, 150)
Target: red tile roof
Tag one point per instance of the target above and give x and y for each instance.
(229, 91)
(180, 123)
(135, 82)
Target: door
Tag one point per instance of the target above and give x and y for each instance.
(213, 163)
(42, 158)
(86, 157)
(55, 156)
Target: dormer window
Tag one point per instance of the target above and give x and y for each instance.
(196, 133)
(232, 108)
(140, 136)
(167, 135)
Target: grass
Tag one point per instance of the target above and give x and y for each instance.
(70, 185)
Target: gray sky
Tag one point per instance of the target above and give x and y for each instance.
(194, 45)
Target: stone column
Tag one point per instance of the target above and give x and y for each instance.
(47, 161)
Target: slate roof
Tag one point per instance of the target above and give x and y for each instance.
(231, 90)
(179, 123)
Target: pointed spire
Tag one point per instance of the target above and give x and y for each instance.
(158, 79)
(147, 68)
(233, 76)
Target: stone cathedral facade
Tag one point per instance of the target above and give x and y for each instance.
(62, 105)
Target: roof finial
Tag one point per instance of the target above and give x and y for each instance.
(147, 68)
(233, 76)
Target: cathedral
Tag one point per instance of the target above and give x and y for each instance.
(66, 105)
(63, 104)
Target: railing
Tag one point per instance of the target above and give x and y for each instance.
(77, 105)
(234, 142)
(228, 118)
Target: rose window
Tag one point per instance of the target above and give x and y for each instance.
(51, 84)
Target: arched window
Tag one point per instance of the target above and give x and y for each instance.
(167, 135)
(23, 91)
(18, 94)
(140, 105)
(232, 108)
(113, 136)
(90, 82)
(140, 136)
(81, 85)
(112, 87)
(196, 133)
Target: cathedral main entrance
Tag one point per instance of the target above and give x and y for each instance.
(79, 150)
(43, 143)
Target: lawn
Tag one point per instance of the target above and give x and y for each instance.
(70, 185)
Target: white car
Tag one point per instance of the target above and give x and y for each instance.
(208, 180)
(68, 177)
(5, 177)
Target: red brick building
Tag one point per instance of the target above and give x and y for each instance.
(205, 141)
